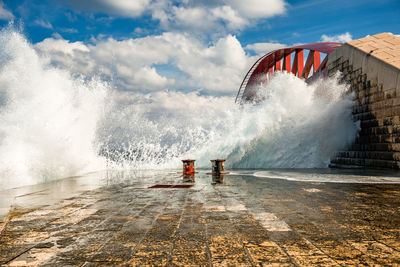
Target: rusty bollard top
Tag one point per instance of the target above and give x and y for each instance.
(217, 166)
(188, 166)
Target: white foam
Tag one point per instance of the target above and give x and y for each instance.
(297, 126)
(319, 177)
(48, 118)
(54, 123)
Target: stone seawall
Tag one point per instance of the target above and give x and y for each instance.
(371, 66)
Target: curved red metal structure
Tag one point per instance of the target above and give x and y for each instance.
(280, 60)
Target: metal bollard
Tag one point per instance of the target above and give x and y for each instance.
(217, 166)
(188, 166)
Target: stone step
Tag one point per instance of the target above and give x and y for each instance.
(375, 163)
(375, 147)
(373, 85)
(345, 166)
(381, 155)
(379, 138)
(348, 161)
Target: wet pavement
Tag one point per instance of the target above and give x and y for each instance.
(115, 218)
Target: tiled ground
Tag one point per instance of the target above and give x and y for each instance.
(384, 46)
(246, 221)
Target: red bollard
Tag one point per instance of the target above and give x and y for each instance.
(188, 166)
(217, 166)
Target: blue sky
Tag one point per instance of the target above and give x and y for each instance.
(204, 46)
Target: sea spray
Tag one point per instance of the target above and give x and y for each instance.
(156, 130)
(303, 124)
(54, 123)
(298, 125)
(48, 118)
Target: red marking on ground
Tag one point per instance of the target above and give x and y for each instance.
(171, 186)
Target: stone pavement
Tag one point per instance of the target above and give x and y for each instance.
(384, 46)
(245, 221)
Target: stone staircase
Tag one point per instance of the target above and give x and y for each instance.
(378, 143)
(371, 66)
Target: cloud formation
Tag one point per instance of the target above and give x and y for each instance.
(264, 48)
(340, 38)
(178, 59)
(200, 18)
(4, 13)
(44, 24)
(216, 14)
(190, 15)
(122, 8)
(258, 8)
(133, 64)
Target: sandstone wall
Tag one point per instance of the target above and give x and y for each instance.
(371, 66)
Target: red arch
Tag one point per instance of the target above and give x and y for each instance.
(280, 60)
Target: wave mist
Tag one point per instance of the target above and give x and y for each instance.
(54, 123)
(48, 117)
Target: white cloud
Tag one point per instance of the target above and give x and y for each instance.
(230, 16)
(62, 46)
(4, 13)
(340, 38)
(195, 18)
(216, 68)
(215, 15)
(142, 78)
(149, 78)
(56, 35)
(199, 18)
(132, 63)
(44, 24)
(123, 8)
(212, 16)
(264, 48)
(69, 30)
(258, 8)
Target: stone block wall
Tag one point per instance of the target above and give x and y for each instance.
(370, 66)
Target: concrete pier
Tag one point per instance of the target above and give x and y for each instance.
(248, 220)
(371, 66)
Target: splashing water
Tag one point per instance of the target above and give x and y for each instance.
(297, 126)
(48, 118)
(55, 124)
